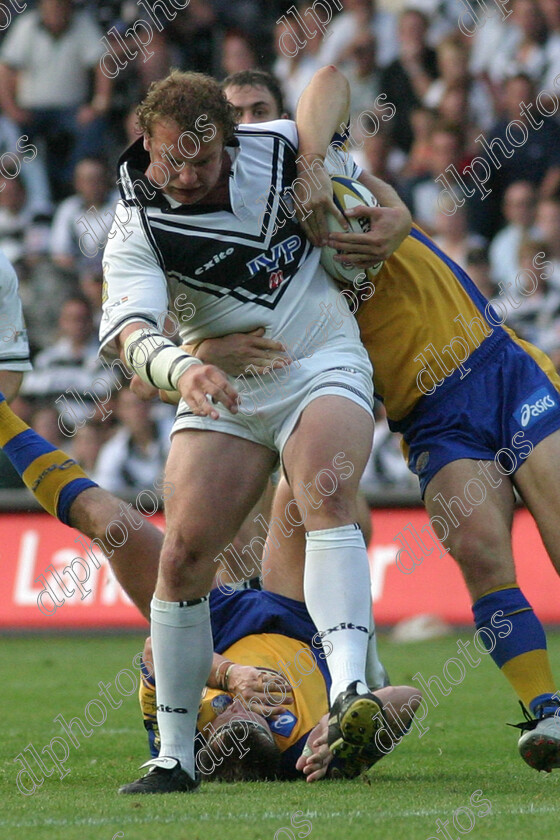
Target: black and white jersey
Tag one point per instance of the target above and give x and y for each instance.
(14, 348)
(220, 270)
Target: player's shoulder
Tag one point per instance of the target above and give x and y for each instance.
(283, 129)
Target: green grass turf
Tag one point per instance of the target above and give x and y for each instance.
(467, 748)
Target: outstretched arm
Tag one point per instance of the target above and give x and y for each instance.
(322, 112)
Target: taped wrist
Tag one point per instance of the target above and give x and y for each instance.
(155, 359)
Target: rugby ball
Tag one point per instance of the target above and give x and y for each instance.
(348, 193)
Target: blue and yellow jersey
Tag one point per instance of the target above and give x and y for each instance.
(297, 661)
(266, 630)
(424, 320)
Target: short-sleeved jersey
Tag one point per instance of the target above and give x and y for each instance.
(14, 348)
(221, 270)
(267, 630)
(425, 316)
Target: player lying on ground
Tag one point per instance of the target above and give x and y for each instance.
(221, 462)
(274, 633)
(255, 634)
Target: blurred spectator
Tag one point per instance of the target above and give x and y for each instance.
(237, 53)
(478, 269)
(536, 160)
(551, 12)
(71, 362)
(93, 190)
(32, 170)
(518, 209)
(417, 162)
(378, 155)
(357, 17)
(453, 69)
(46, 61)
(86, 445)
(192, 37)
(91, 285)
(452, 236)
(362, 73)
(15, 217)
(294, 73)
(408, 78)
(134, 458)
(485, 37)
(522, 49)
(536, 317)
(548, 226)
(445, 149)
(42, 288)
(386, 468)
(45, 422)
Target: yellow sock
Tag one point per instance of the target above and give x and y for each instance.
(530, 675)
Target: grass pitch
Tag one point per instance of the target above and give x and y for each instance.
(467, 748)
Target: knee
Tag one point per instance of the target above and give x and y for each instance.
(481, 557)
(178, 560)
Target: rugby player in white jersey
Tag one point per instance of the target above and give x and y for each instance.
(213, 245)
(14, 349)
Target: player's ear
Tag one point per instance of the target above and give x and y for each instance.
(147, 142)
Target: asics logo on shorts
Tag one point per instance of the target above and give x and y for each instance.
(537, 404)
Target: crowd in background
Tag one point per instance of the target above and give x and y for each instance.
(424, 90)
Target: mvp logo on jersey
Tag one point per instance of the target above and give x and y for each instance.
(284, 251)
(534, 407)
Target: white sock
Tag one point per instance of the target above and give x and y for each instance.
(336, 585)
(375, 672)
(182, 648)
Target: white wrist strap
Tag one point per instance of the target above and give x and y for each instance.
(155, 359)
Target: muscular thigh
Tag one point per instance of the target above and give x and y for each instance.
(537, 482)
(328, 450)
(476, 504)
(216, 479)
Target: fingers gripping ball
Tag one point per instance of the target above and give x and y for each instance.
(348, 193)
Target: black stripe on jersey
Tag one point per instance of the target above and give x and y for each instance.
(134, 316)
(184, 413)
(250, 132)
(238, 294)
(342, 385)
(151, 358)
(4, 359)
(151, 238)
(174, 364)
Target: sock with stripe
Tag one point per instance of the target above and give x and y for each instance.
(519, 646)
(182, 649)
(336, 585)
(54, 478)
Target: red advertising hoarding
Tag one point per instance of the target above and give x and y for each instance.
(34, 549)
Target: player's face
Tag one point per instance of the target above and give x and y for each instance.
(253, 104)
(183, 166)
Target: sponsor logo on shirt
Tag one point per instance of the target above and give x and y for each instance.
(534, 407)
(217, 258)
(283, 724)
(270, 260)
